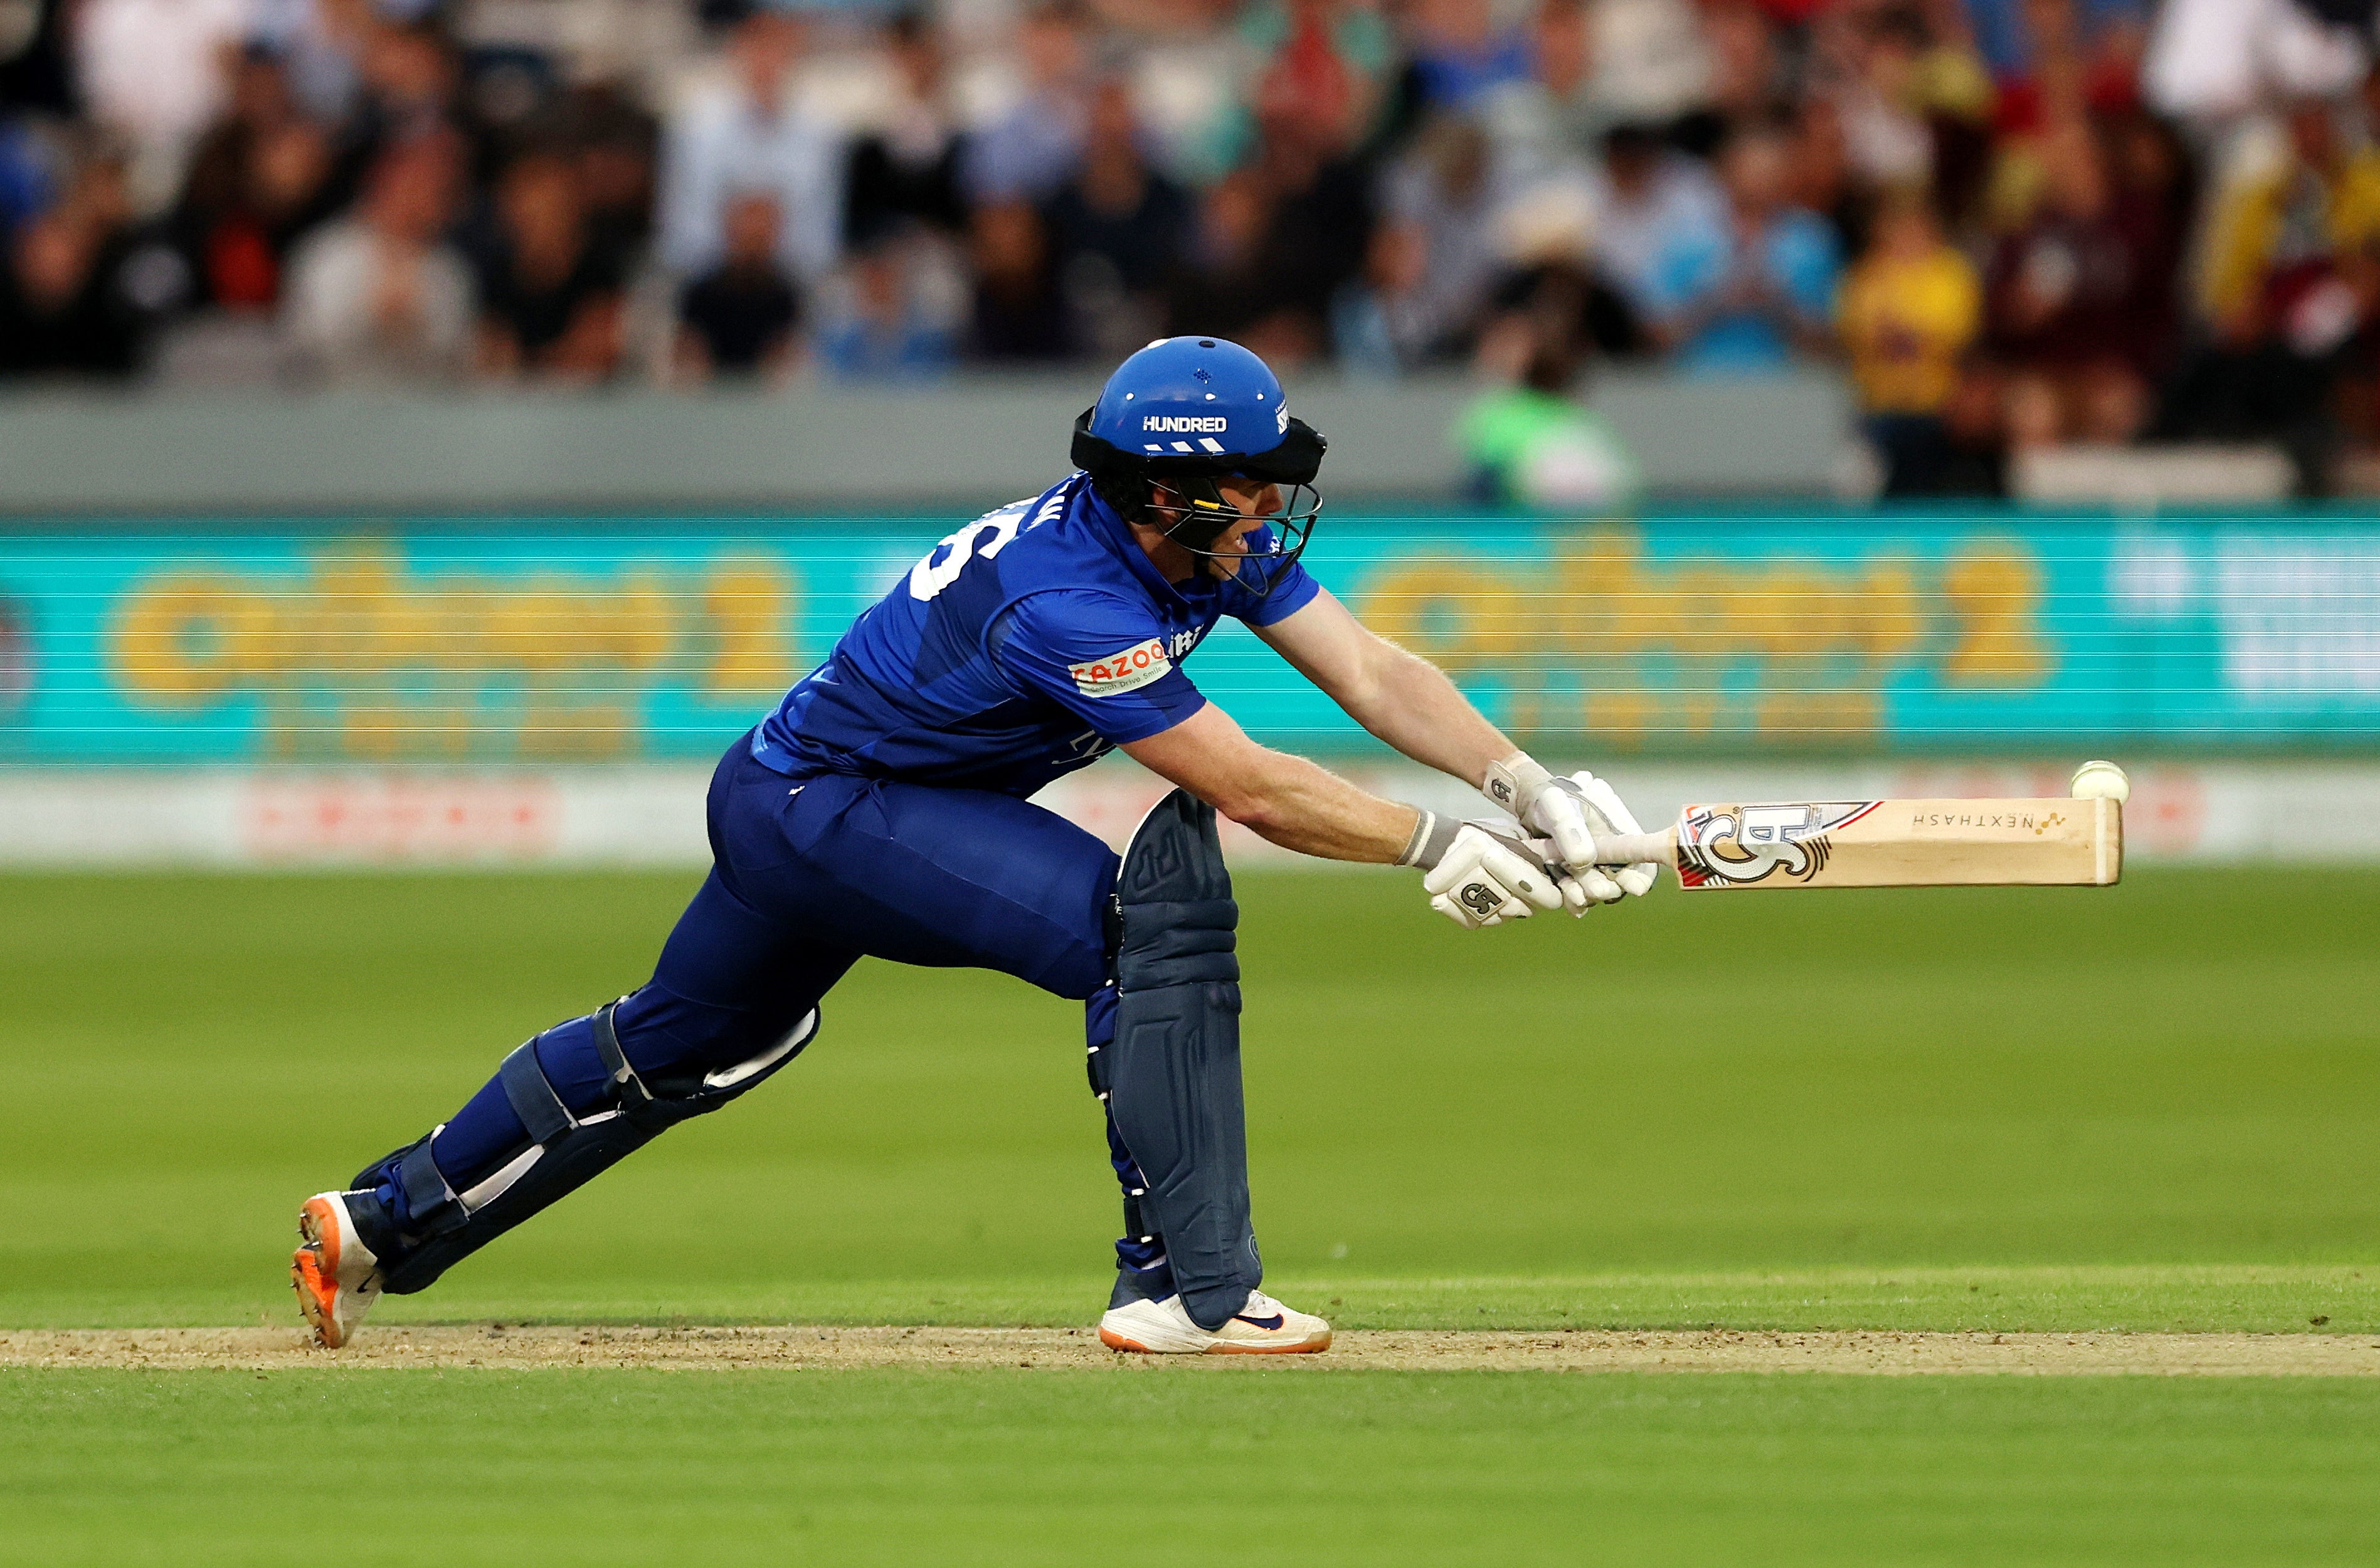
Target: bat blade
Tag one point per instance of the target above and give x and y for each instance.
(1898, 843)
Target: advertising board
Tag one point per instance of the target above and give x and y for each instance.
(564, 642)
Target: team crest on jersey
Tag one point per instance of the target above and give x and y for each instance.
(1128, 671)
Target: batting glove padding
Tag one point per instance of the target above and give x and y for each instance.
(1606, 814)
(1478, 878)
(1570, 812)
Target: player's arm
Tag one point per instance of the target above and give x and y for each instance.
(1472, 877)
(1400, 696)
(1097, 657)
(1289, 800)
(1409, 703)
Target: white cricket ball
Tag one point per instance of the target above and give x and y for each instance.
(2100, 781)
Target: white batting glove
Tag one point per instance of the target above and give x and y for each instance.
(1571, 811)
(1478, 878)
(1607, 814)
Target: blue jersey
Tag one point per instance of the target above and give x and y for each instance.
(1021, 648)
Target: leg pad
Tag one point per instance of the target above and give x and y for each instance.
(567, 1151)
(1173, 1080)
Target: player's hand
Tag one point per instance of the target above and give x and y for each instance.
(1485, 879)
(1606, 814)
(1571, 812)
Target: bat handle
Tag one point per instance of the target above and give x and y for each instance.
(1629, 849)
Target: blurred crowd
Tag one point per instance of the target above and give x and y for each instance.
(2011, 223)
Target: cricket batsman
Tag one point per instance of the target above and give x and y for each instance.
(883, 809)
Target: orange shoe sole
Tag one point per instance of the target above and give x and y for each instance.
(314, 1272)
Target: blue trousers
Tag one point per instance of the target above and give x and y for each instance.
(809, 876)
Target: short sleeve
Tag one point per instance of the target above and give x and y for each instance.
(1098, 657)
(1292, 588)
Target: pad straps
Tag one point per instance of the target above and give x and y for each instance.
(636, 1106)
(1138, 1223)
(530, 1093)
(429, 1201)
(532, 1097)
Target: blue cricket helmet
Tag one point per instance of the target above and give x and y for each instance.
(1195, 406)
(1183, 415)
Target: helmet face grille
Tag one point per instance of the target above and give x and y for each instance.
(1200, 513)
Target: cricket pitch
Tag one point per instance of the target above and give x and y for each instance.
(524, 1347)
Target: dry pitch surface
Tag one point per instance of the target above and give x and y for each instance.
(499, 1346)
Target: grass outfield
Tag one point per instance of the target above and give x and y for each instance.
(1205, 1462)
(2153, 1108)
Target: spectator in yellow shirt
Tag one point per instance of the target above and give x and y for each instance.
(2291, 254)
(2291, 281)
(1910, 310)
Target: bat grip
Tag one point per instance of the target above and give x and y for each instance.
(1629, 849)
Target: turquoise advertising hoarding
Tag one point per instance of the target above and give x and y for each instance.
(565, 641)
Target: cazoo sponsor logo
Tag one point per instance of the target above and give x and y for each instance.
(1128, 671)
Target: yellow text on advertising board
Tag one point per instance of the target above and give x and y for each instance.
(359, 658)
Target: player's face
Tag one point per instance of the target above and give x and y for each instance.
(1256, 501)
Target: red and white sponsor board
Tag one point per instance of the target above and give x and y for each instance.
(400, 817)
(652, 815)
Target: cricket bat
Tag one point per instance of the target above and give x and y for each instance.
(1886, 843)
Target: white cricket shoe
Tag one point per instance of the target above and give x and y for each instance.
(1263, 1327)
(337, 1275)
